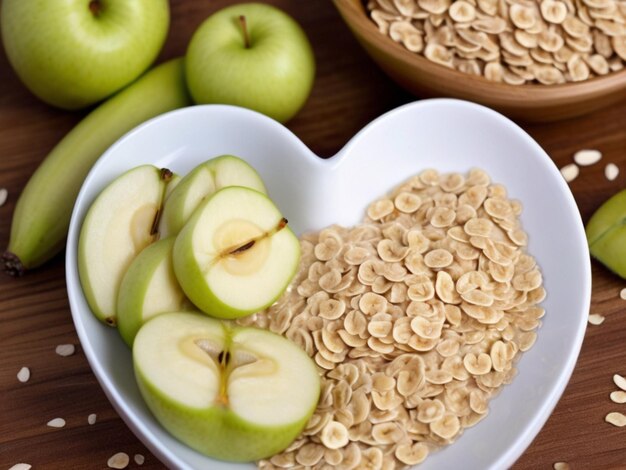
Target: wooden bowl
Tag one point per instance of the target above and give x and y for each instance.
(425, 78)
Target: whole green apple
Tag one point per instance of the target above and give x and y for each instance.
(251, 55)
(72, 53)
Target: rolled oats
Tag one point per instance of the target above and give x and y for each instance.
(516, 42)
(416, 317)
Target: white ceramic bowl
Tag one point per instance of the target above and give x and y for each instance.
(448, 135)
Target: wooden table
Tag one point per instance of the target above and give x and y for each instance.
(349, 92)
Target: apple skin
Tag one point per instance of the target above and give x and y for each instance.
(273, 76)
(135, 286)
(240, 441)
(191, 275)
(606, 234)
(70, 57)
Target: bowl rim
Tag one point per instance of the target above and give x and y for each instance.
(520, 95)
(140, 429)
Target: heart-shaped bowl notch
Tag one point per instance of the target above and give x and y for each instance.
(447, 135)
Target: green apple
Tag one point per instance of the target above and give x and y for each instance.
(42, 213)
(251, 55)
(148, 288)
(236, 254)
(120, 223)
(74, 53)
(232, 393)
(606, 234)
(201, 182)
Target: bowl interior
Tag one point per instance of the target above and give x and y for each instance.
(447, 135)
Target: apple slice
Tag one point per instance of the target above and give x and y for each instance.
(232, 393)
(149, 288)
(236, 255)
(120, 223)
(202, 181)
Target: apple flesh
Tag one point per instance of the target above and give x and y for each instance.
(120, 223)
(236, 255)
(606, 234)
(202, 181)
(251, 55)
(74, 53)
(148, 288)
(232, 393)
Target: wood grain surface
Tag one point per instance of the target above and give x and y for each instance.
(349, 92)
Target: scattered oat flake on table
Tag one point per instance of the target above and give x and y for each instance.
(91, 419)
(21, 466)
(620, 381)
(561, 466)
(570, 172)
(622, 294)
(65, 349)
(587, 157)
(119, 460)
(618, 396)
(616, 419)
(3, 198)
(611, 171)
(56, 423)
(23, 375)
(139, 459)
(596, 319)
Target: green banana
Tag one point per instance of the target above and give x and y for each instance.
(606, 234)
(42, 213)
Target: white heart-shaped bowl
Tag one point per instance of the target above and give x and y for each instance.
(447, 135)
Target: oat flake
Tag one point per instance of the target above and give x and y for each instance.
(620, 381)
(616, 419)
(65, 350)
(23, 375)
(619, 396)
(119, 460)
(596, 319)
(570, 172)
(611, 171)
(56, 423)
(587, 157)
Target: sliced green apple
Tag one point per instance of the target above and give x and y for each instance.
(148, 288)
(202, 181)
(236, 254)
(120, 223)
(232, 393)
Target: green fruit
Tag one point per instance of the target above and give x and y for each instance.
(72, 53)
(148, 288)
(606, 234)
(202, 181)
(42, 214)
(120, 223)
(264, 63)
(232, 393)
(236, 255)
